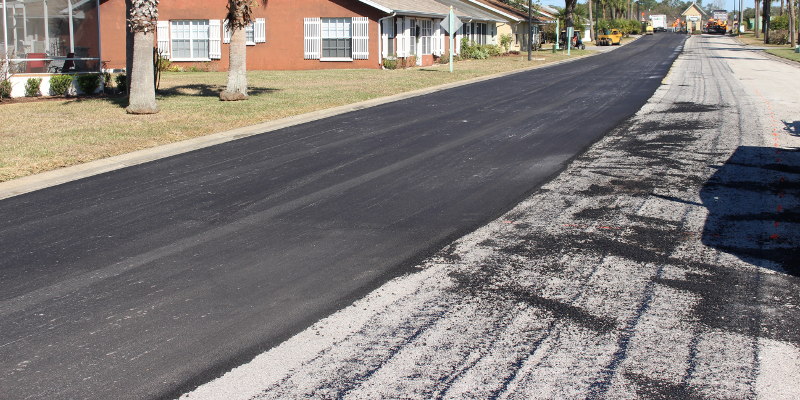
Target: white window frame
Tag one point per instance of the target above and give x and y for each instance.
(191, 41)
(322, 41)
(426, 41)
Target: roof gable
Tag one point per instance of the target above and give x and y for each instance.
(696, 7)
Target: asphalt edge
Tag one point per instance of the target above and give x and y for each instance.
(31, 183)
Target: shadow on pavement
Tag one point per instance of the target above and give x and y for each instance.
(793, 128)
(752, 208)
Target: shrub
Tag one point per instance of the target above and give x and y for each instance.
(505, 41)
(121, 82)
(444, 59)
(89, 83)
(409, 62)
(779, 37)
(5, 89)
(390, 63)
(493, 50)
(779, 23)
(32, 87)
(60, 84)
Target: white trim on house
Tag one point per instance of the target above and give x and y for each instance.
(378, 6)
(494, 10)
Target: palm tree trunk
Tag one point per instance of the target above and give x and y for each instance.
(756, 29)
(237, 71)
(142, 98)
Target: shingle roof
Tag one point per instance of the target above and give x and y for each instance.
(437, 8)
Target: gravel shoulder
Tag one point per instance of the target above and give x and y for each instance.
(661, 264)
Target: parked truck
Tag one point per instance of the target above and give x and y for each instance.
(659, 22)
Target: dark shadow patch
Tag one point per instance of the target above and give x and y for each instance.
(596, 213)
(677, 200)
(752, 173)
(597, 190)
(690, 107)
(793, 128)
(660, 389)
(206, 90)
(484, 284)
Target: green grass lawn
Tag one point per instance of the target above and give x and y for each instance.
(785, 53)
(44, 135)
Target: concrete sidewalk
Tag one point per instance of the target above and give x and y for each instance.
(658, 265)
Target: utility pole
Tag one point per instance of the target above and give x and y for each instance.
(530, 30)
(591, 22)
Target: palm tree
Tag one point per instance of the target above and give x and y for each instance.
(143, 16)
(239, 17)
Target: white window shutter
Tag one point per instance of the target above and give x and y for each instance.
(226, 33)
(360, 38)
(400, 37)
(409, 34)
(162, 30)
(260, 30)
(492, 33)
(312, 42)
(214, 40)
(437, 38)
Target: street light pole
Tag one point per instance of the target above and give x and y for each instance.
(530, 30)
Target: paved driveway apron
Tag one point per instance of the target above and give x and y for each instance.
(150, 280)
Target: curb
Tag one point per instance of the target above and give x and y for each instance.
(60, 176)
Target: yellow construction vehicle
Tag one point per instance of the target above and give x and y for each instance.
(609, 37)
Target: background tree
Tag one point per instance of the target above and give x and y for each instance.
(239, 17)
(142, 19)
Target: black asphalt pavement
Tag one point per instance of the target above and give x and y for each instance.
(150, 280)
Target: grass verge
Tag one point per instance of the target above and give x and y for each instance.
(45, 135)
(788, 54)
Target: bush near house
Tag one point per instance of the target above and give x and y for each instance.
(121, 82)
(60, 84)
(88, 83)
(472, 51)
(390, 63)
(505, 41)
(5, 89)
(32, 87)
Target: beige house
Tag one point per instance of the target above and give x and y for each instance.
(516, 22)
(694, 16)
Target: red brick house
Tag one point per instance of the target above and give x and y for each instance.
(46, 37)
(303, 34)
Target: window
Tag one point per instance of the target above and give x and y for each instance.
(391, 35)
(250, 34)
(426, 36)
(189, 40)
(50, 36)
(337, 38)
(480, 33)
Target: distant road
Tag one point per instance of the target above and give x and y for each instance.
(147, 281)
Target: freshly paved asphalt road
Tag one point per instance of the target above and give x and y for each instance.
(147, 281)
